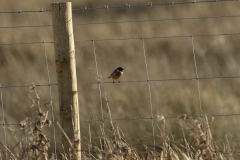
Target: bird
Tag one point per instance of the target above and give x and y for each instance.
(117, 74)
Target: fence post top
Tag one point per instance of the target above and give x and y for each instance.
(56, 3)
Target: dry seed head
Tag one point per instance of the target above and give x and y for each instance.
(212, 120)
(25, 122)
(48, 122)
(32, 88)
(194, 122)
(110, 128)
(182, 116)
(47, 104)
(37, 97)
(160, 117)
(199, 125)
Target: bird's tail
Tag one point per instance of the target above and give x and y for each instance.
(109, 77)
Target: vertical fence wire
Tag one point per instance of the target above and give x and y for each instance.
(4, 124)
(90, 140)
(51, 97)
(196, 71)
(99, 88)
(149, 91)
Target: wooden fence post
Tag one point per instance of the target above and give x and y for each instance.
(66, 74)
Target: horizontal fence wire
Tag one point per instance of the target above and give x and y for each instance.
(150, 4)
(159, 20)
(162, 37)
(145, 118)
(23, 43)
(26, 86)
(169, 79)
(126, 6)
(25, 11)
(33, 26)
(131, 38)
(130, 81)
(129, 21)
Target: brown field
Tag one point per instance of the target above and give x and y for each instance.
(167, 58)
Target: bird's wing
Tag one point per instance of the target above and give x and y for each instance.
(112, 73)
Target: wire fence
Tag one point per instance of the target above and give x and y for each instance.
(148, 80)
(126, 6)
(129, 21)
(125, 39)
(197, 78)
(137, 38)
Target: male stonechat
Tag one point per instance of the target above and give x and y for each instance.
(117, 74)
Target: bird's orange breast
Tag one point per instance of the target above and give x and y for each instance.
(117, 75)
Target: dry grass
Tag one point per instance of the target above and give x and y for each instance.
(166, 58)
(197, 140)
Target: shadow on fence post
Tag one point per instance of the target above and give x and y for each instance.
(66, 74)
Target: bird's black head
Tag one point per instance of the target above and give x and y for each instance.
(120, 68)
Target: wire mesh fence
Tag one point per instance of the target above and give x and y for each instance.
(149, 91)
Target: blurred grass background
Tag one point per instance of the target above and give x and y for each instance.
(166, 58)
